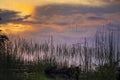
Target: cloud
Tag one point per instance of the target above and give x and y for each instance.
(95, 18)
(112, 1)
(113, 26)
(11, 16)
(66, 14)
(64, 9)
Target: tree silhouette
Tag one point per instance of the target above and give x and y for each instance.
(3, 45)
(3, 40)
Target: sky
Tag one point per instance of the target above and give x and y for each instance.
(67, 21)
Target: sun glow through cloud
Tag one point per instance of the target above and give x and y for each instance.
(26, 9)
(38, 18)
(15, 28)
(17, 6)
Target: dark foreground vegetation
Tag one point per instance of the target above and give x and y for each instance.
(26, 60)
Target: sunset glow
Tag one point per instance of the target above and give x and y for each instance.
(65, 19)
(59, 39)
(15, 28)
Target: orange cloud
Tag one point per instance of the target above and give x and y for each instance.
(15, 28)
(36, 25)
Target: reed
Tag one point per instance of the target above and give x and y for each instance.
(87, 62)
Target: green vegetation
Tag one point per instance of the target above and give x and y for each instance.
(58, 62)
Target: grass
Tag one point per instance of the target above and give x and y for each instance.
(61, 61)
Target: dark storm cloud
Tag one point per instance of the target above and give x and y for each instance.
(11, 16)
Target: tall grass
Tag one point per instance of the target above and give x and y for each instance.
(95, 62)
